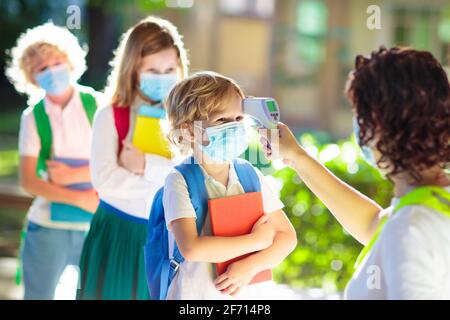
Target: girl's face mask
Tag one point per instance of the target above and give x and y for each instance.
(54, 80)
(157, 86)
(226, 141)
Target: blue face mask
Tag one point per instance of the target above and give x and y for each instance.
(157, 86)
(226, 141)
(54, 80)
(367, 152)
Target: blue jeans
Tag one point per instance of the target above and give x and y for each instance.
(46, 253)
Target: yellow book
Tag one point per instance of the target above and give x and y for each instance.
(148, 136)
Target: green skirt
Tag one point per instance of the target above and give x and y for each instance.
(112, 262)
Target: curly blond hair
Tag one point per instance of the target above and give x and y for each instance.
(196, 98)
(37, 43)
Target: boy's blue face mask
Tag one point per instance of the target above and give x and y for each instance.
(157, 86)
(226, 141)
(54, 80)
(367, 152)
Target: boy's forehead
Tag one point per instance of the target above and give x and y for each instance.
(41, 54)
(231, 105)
(44, 49)
(235, 101)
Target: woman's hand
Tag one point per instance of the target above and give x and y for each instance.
(284, 146)
(132, 159)
(238, 275)
(264, 232)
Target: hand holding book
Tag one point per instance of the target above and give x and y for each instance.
(62, 174)
(241, 273)
(63, 212)
(235, 216)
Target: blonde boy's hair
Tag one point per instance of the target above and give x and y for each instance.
(149, 36)
(36, 43)
(197, 98)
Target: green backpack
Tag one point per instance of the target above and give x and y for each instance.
(45, 135)
(432, 197)
(45, 130)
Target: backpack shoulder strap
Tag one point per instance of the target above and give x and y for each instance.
(44, 131)
(89, 105)
(122, 122)
(247, 175)
(195, 181)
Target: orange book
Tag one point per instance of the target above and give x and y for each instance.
(235, 216)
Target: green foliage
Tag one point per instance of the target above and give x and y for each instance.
(9, 162)
(325, 254)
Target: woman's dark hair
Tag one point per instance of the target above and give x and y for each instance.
(401, 98)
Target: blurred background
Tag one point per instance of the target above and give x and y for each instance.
(298, 51)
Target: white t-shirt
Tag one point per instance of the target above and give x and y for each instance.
(124, 190)
(410, 259)
(195, 280)
(71, 138)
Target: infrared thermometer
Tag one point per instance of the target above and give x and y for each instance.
(266, 114)
(264, 111)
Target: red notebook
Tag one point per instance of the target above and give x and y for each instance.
(235, 216)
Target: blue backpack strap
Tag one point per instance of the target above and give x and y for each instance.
(247, 175)
(195, 181)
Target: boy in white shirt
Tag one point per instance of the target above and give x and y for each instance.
(206, 118)
(46, 63)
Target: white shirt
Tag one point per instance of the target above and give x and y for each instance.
(71, 138)
(195, 280)
(124, 190)
(410, 259)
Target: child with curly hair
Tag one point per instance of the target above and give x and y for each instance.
(46, 64)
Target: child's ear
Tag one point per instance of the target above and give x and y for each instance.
(187, 132)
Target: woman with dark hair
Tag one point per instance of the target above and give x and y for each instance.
(401, 101)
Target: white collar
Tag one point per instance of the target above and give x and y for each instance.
(232, 175)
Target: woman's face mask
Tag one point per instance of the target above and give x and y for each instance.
(226, 141)
(157, 86)
(54, 80)
(367, 152)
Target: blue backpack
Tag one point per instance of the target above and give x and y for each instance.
(161, 268)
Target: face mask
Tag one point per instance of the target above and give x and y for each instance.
(367, 152)
(157, 86)
(226, 141)
(55, 80)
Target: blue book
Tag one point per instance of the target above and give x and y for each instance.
(62, 212)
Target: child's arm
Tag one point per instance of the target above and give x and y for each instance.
(357, 213)
(219, 249)
(87, 200)
(109, 178)
(146, 164)
(240, 273)
(63, 175)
